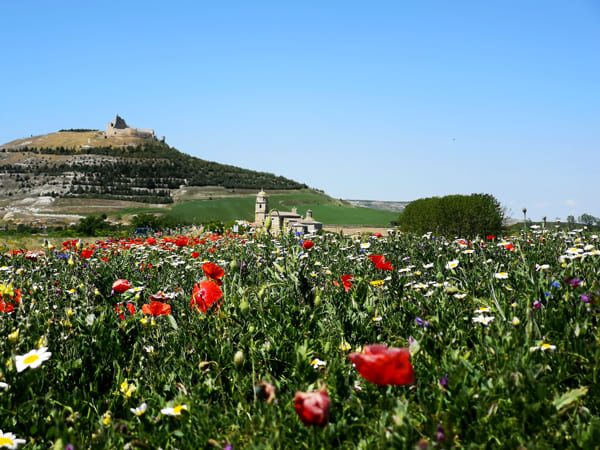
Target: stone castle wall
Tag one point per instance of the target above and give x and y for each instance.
(119, 128)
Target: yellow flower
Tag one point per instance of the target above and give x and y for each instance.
(377, 283)
(7, 290)
(106, 418)
(14, 336)
(42, 342)
(127, 389)
(344, 346)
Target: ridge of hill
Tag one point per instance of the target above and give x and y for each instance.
(148, 173)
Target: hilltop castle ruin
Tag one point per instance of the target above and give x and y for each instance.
(118, 127)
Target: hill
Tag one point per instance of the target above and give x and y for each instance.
(61, 177)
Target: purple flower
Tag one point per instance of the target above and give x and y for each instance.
(440, 436)
(421, 322)
(537, 304)
(574, 282)
(585, 298)
(444, 381)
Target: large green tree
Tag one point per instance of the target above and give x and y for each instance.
(454, 215)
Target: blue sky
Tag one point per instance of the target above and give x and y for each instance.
(383, 100)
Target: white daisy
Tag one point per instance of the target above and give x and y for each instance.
(174, 411)
(32, 359)
(9, 440)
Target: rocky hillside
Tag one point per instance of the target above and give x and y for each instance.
(148, 172)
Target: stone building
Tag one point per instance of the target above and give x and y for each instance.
(283, 220)
(118, 127)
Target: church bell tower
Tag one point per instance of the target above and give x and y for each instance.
(262, 208)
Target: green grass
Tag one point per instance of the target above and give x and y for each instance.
(325, 209)
(526, 378)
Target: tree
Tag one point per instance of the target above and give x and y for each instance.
(587, 219)
(455, 215)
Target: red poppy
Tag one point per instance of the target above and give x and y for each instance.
(182, 241)
(384, 366)
(120, 309)
(347, 283)
(157, 309)
(509, 246)
(85, 254)
(121, 286)
(214, 272)
(376, 259)
(380, 262)
(195, 254)
(491, 237)
(204, 295)
(386, 265)
(307, 245)
(8, 302)
(6, 307)
(313, 407)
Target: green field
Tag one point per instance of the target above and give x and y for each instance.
(325, 209)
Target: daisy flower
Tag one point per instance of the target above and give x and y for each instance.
(483, 319)
(140, 410)
(32, 359)
(543, 347)
(452, 264)
(9, 440)
(501, 276)
(174, 411)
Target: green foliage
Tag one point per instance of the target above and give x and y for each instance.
(146, 173)
(155, 222)
(454, 215)
(282, 310)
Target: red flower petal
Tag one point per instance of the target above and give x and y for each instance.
(376, 259)
(121, 286)
(212, 271)
(313, 407)
(306, 245)
(384, 366)
(205, 295)
(157, 309)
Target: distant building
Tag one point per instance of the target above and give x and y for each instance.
(283, 220)
(118, 127)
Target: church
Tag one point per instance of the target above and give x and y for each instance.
(283, 220)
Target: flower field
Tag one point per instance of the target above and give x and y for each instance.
(332, 341)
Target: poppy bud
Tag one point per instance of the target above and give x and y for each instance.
(238, 358)
(313, 407)
(244, 306)
(268, 223)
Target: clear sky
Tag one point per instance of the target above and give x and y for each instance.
(382, 100)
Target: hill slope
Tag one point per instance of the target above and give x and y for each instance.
(147, 173)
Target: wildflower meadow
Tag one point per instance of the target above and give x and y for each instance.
(256, 340)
